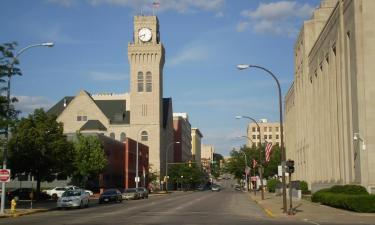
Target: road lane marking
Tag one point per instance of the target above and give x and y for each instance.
(309, 221)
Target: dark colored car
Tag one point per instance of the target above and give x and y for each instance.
(24, 194)
(110, 195)
(143, 192)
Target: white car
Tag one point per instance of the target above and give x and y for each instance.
(73, 198)
(72, 187)
(56, 192)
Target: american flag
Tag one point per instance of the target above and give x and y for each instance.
(268, 151)
(156, 4)
(255, 163)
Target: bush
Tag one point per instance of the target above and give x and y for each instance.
(350, 197)
(349, 189)
(271, 185)
(304, 187)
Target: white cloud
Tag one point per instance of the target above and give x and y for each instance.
(181, 6)
(106, 76)
(192, 53)
(27, 104)
(279, 18)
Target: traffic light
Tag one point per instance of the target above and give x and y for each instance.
(290, 166)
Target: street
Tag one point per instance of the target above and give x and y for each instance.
(224, 207)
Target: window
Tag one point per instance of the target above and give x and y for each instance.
(112, 135)
(258, 136)
(270, 129)
(144, 136)
(265, 136)
(277, 129)
(265, 129)
(84, 118)
(122, 137)
(269, 136)
(277, 136)
(148, 82)
(254, 137)
(79, 118)
(140, 82)
(258, 129)
(253, 129)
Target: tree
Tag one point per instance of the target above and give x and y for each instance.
(236, 163)
(191, 175)
(39, 147)
(215, 167)
(89, 159)
(7, 70)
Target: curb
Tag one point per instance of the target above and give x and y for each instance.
(267, 211)
(25, 213)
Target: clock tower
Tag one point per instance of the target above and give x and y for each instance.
(146, 60)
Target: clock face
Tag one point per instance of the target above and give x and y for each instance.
(145, 34)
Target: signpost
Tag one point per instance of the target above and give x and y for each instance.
(4, 175)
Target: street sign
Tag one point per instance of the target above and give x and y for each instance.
(4, 175)
(137, 179)
(280, 171)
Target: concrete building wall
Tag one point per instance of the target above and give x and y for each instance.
(331, 91)
(196, 137)
(182, 134)
(269, 132)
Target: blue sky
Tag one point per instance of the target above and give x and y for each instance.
(204, 41)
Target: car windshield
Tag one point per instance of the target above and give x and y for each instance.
(131, 190)
(60, 189)
(71, 193)
(109, 192)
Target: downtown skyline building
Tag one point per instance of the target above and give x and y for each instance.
(329, 108)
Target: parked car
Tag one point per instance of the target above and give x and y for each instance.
(24, 194)
(143, 192)
(110, 195)
(72, 187)
(215, 187)
(56, 192)
(73, 198)
(130, 193)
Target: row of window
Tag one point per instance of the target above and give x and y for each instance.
(81, 118)
(144, 136)
(265, 129)
(144, 82)
(265, 136)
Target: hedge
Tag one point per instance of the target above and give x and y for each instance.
(303, 186)
(271, 185)
(350, 197)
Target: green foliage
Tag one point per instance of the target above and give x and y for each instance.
(350, 197)
(7, 69)
(271, 185)
(304, 187)
(236, 164)
(39, 147)
(191, 175)
(215, 167)
(89, 158)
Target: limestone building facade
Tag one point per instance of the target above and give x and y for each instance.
(142, 114)
(329, 108)
(269, 132)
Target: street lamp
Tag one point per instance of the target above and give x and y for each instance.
(260, 151)
(6, 132)
(166, 164)
(283, 155)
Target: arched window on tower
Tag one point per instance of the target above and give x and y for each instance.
(140, 81)
(144, 136)
(148, 82)
(122, 137)
(112, 135)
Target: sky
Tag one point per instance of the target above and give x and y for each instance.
(204, 40)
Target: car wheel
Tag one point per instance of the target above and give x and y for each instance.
(81, 204)
(88, 202)
(54, 196)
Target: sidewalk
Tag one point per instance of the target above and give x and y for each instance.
(309, 211)
(24, 208)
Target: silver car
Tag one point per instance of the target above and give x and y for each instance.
(131, 193)
(73, 198)
(143, 192)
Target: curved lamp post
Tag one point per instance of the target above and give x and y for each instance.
(6, 132)
(166, 163)
(283, 155)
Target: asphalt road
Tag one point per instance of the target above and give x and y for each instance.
(187, 208)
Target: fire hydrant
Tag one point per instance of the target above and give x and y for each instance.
(13, 205)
